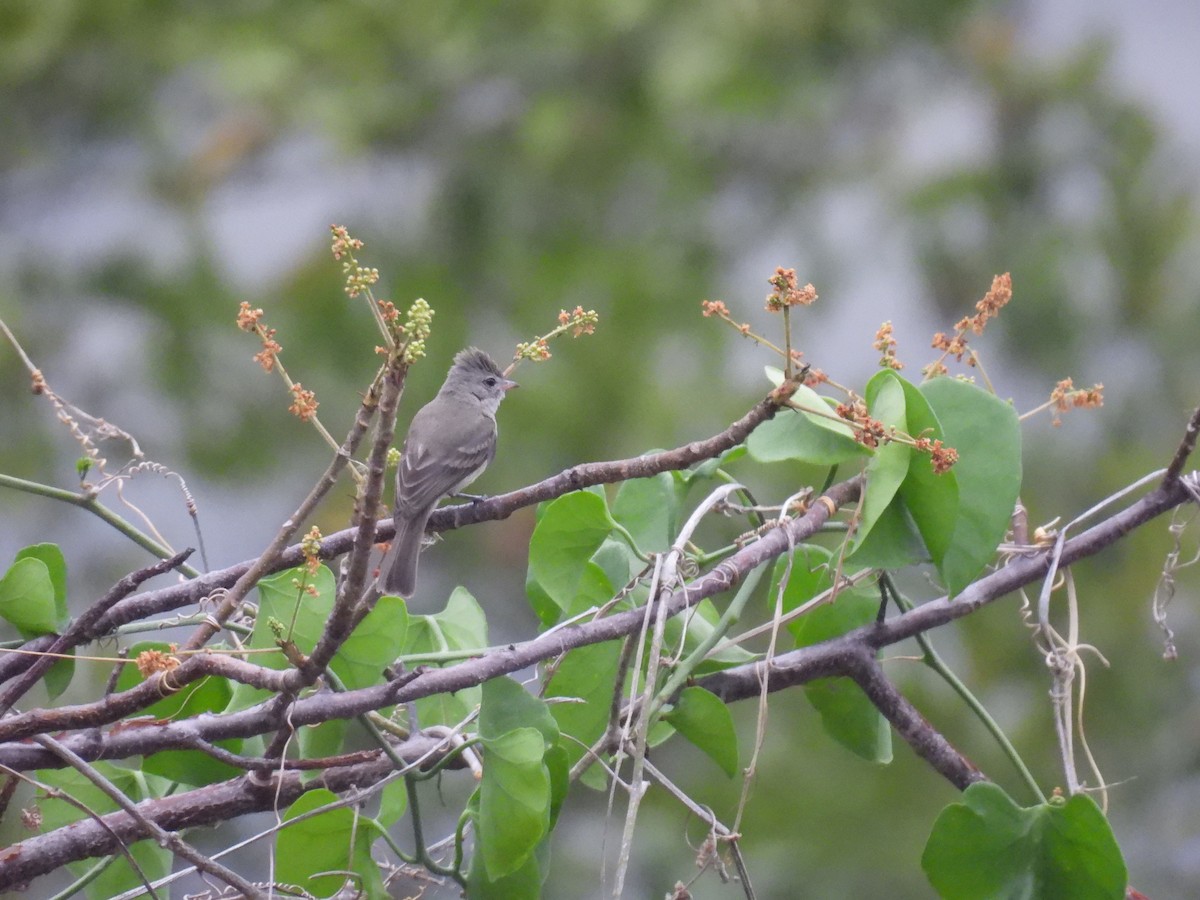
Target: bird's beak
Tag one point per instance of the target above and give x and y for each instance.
(508, 385)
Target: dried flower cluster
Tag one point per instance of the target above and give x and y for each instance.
(1066, 396)
(304, 403)
(987, 308)
(250, 320)
(787, 292)
(942, 458)
(867, 431)
(150, 661)
(886, 345)
(991, 304)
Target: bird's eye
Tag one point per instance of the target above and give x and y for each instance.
(490, 382)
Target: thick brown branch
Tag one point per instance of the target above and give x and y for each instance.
(349, 609)
(325, 706)
(788, 669)
(192, 593)
(76, 633)
(927, 741)
(588, 474)
(208, 805)
(113, 707)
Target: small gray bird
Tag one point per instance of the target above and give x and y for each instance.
(450, 442)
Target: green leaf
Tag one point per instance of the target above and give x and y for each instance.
(514, 800)
(593, 588)
(618, 563)
(302, 615)
(931, 499)
(58, 676)
(704, 720)
(393, 802)
(207, 695)
(846, 714)
(886, 471)
(376, 642)
(701, 471)
(56, 813)
(56, 565)
(508, 706)
(460, 626)
(804, 436)
(559, 770)
(649, 510)
(894, 541)
(525, 883)
(986, 433)
(316, 741)
(987, 846)
(27, 598)
(154, 861)
(515, 793)
(586, 674)
(318, 844)
(700, 622)
(569, 531)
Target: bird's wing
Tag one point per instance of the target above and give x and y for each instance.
(448, 445)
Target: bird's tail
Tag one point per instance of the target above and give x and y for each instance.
(399, 566)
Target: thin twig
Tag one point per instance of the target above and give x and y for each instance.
(164, 838)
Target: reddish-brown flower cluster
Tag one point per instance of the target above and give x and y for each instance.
(271, 349)
(1065, 396)
(868, 432)
(787, 291)
(714, 308)
(247, 318)
(952, 346)
(304, 403)
(814, 377)
(387, 309)
(942, 458)
(250, 320)
(989, 307)
(305, 587)
(886, 345)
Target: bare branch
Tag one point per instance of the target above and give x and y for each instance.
(1186, 446)
(208, 805)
